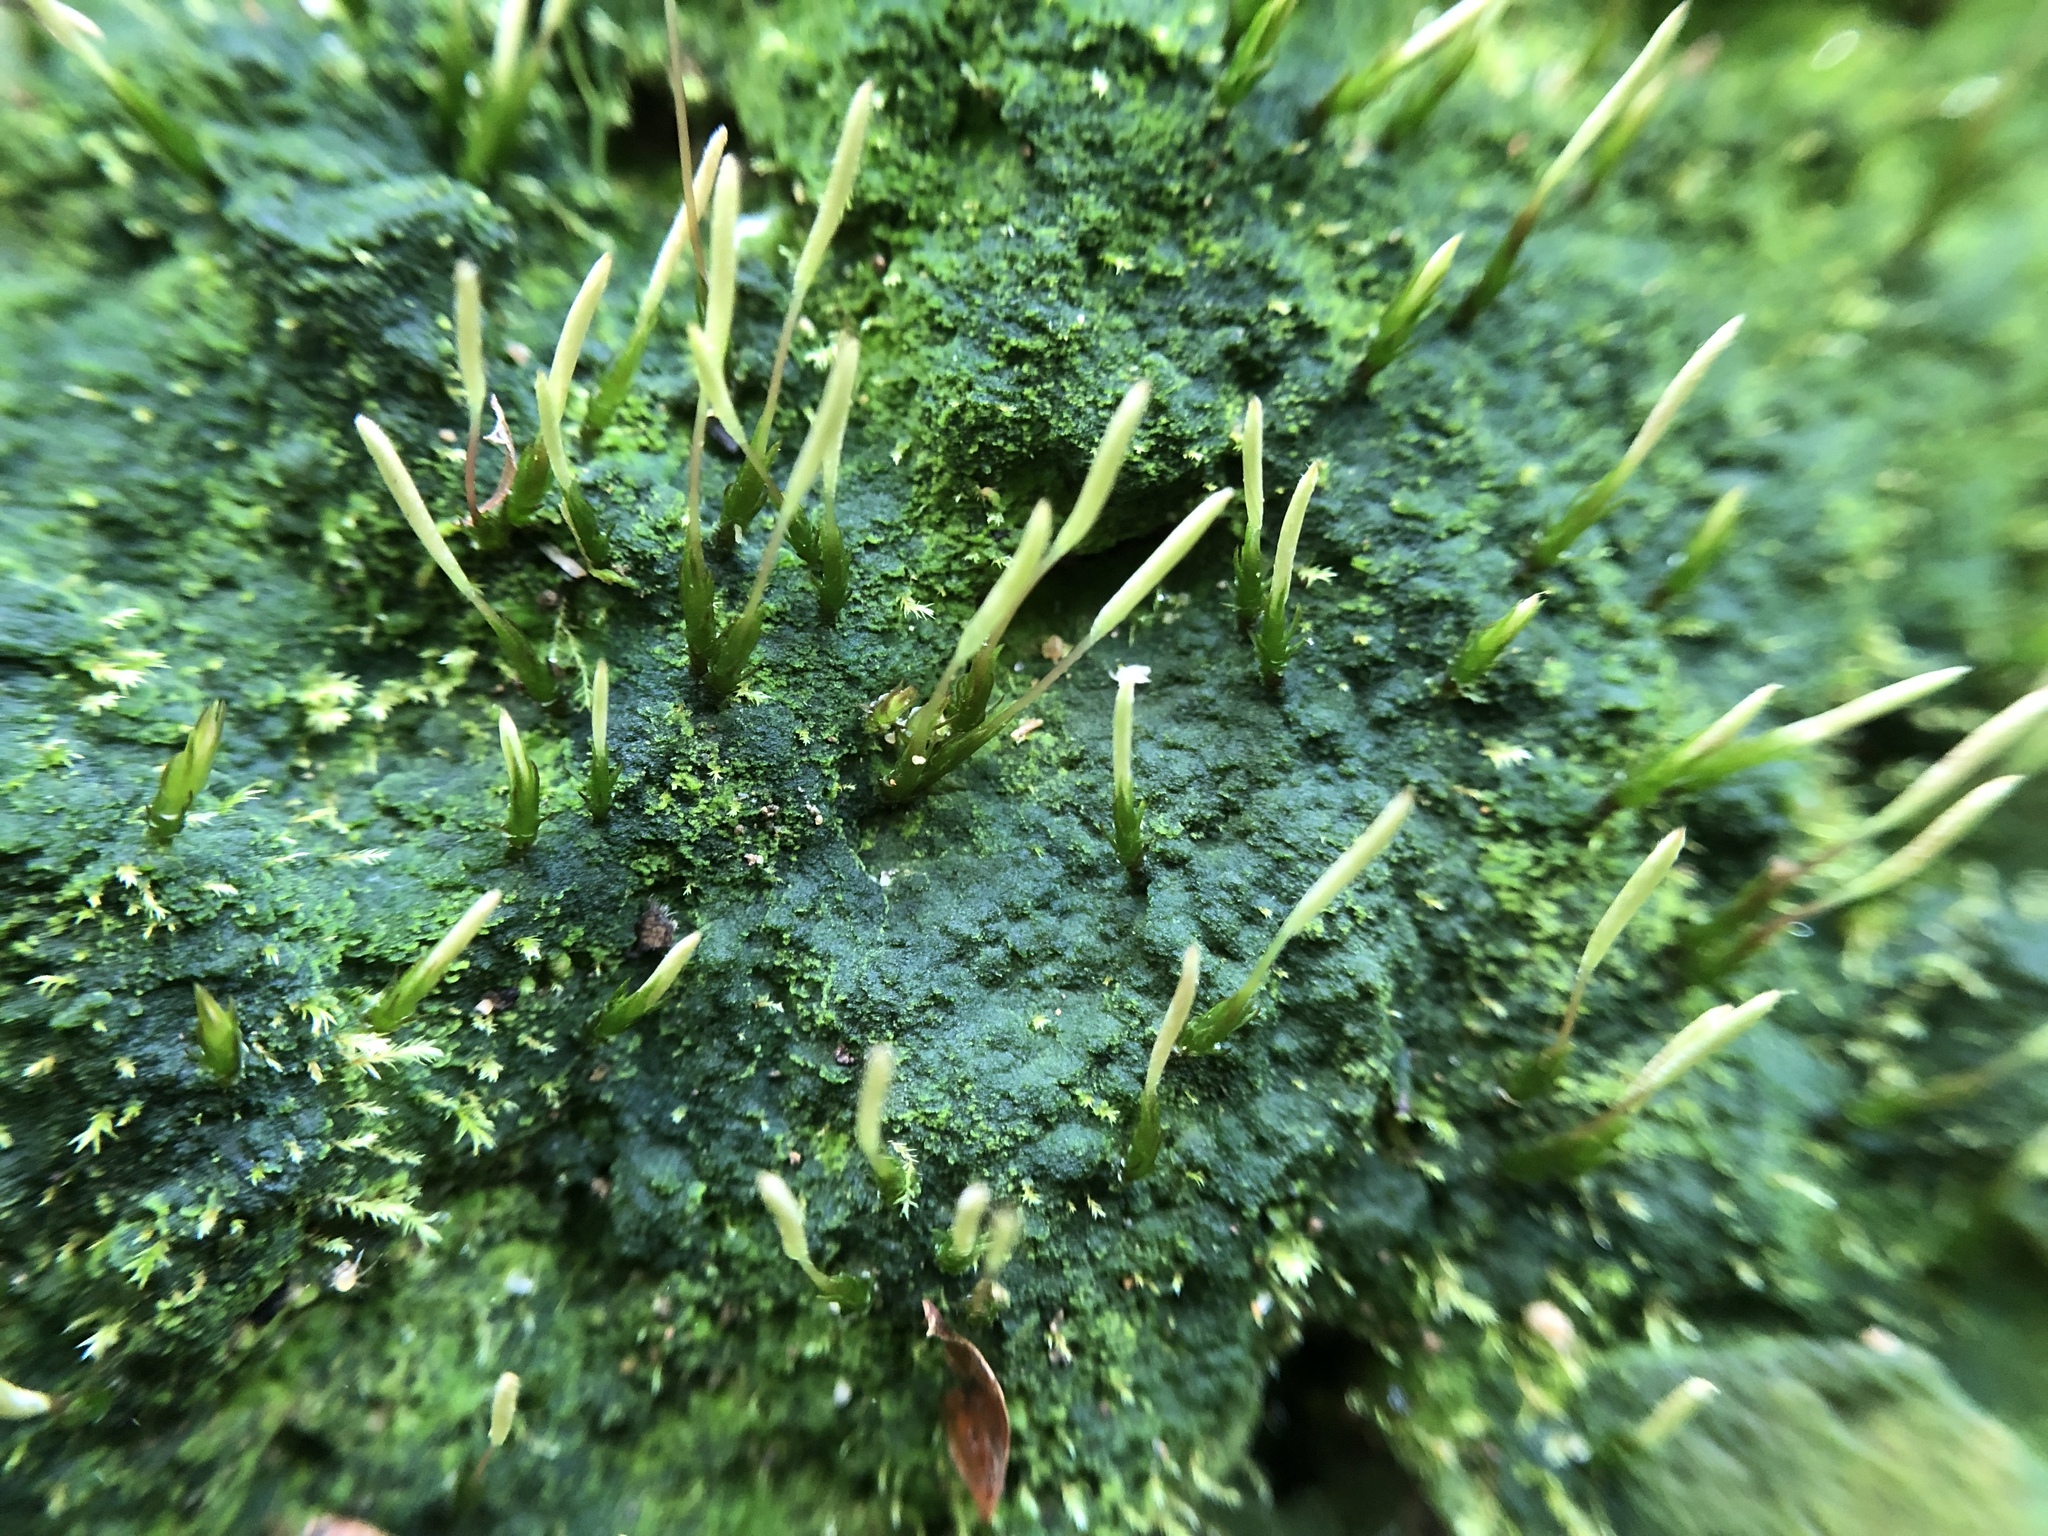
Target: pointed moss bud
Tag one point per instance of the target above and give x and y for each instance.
(1672, 1412)
(184, 775)
(957, 1250)
(1584, 1147)
(1419, 104)
(1626, 128)
(1103, 469)
(1590, 132)
(220, 1035)
(734, 650)
(1158, 565)
(1250, 594)
(895, 1173)
(469, 342)
(1223, 1020)
(1597, 500)
(603, 776)
(522, 815)
(1398, 321)
(711, 382)
(1960, 764)
(1888, 1106)
(1651, 780)
(504, 1408)
(832, 206)
(507, 38)
(21, 1402)
(1705, 768)
(1146, 1134)
(620, 373)
(721, 269)
(575, 326)
(1940, 835)
(1128, 814)
(1485, 645)
(1275, 643)
(1542, 1070)
(1704, 549)
(1253, 55)
(628, 1008)
(1005, 1231)
(848, 1291)
(1364, 85)
(591, 543)
(517, 650)
(396, 1003)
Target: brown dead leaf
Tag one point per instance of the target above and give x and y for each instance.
(977, 1417)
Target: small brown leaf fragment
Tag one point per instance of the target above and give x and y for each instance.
(977, 1417)
(1025, 729)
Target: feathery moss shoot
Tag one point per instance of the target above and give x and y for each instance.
(1223, 1020)
(1396, 326)
(1146, 1133)
(1276, 641)
(534, 675)
(626, 1009)
(396, 1003)
(603, 776)
(1584, 1147)
(1489, 641)
(1252, 56)
(893, 1169)
(220, 1035)
(849, 1292)
(960, 1244)
(1537, 1076)
(1250, 566)
(1597, 500)
(1127, 811)
(1502, 264)
(522, 779)
(184, 775)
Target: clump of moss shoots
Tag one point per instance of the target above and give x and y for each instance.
(578, 835)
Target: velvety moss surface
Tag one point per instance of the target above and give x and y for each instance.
(291, 1295)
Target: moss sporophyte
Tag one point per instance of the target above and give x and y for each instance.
(376, 1138)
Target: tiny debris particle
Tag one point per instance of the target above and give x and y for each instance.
(1053, 648)
(1025, 728)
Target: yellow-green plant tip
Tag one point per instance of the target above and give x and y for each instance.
(603, 776)
(1253, 55)
(1631, 899)
(1887, 1107)
(1398, 321)
(506, 39)
(1004, 598)
(1487, 643)
(1103, 469)
(1705, 768)
(711, 380)
(1940, 835)
(1157, 567)
(397, 1002)
(184, 774)
(1672, 1412)
(853, 133)
(1707, 1035)
(1146, 1133)
(1648, 782)
(847, 1291)
(628, 1008)
(575, 326)
(1960, 764)
(1594, 503)
(1226, 1017)
(469, 341)
(1362, 86)
(1250, 590)
(721, 268)
(1274, 643)
(895, 1174)
(1128, 832)
(220, 1035)
(80, 36)
(963, 1240)
(1005, 1231)
(1500, 267)
(17, 1403)
(504, 1408)
(1705, 548)
(522, 815)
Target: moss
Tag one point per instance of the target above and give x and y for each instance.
(298, 1290)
